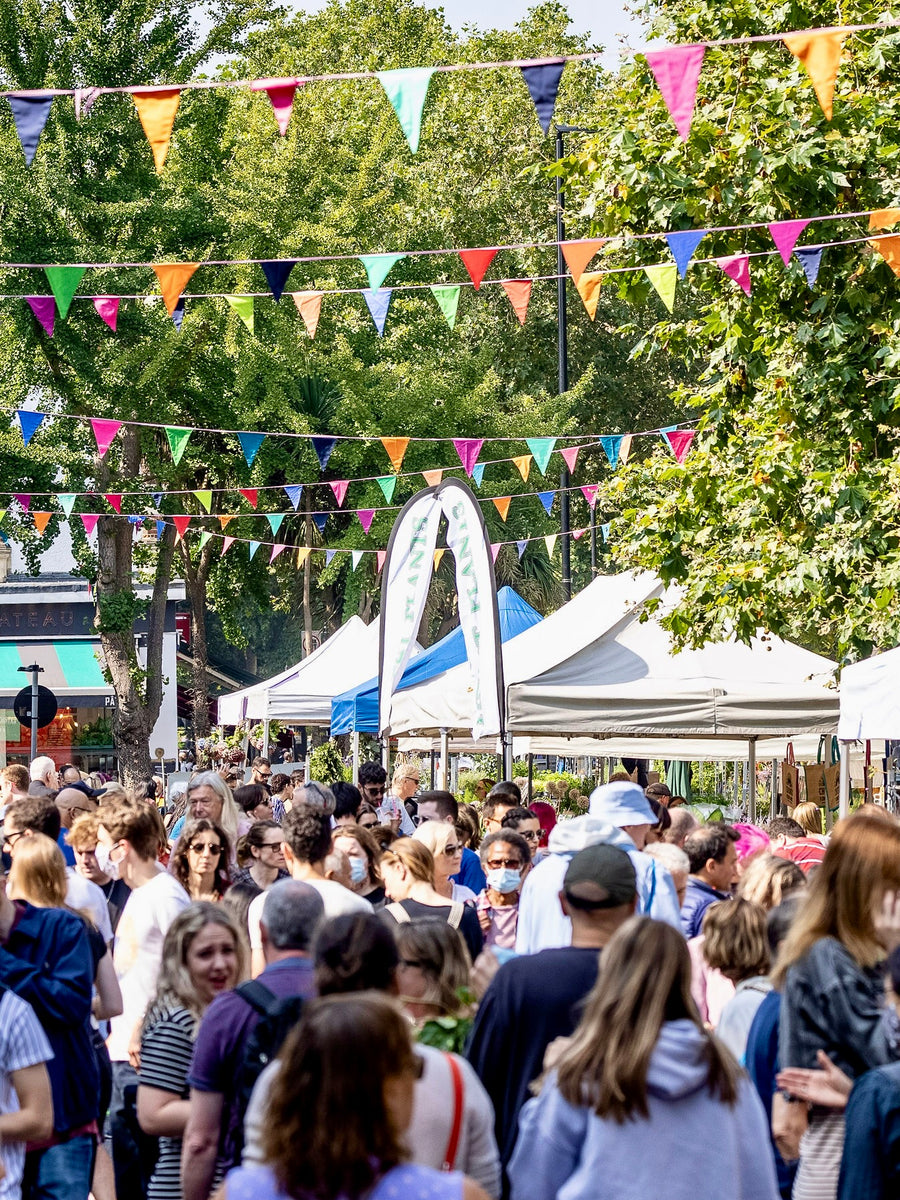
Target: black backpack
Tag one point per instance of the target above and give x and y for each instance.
(277, 1017)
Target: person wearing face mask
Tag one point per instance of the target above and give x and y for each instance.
(363, 853)
(506, 858)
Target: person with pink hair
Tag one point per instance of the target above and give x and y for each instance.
(546, 815)
(751, 841)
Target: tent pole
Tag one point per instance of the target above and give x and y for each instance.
(355, 744)
(844, 782)
(751, 780)
(773, 803)
(445, 756)
(265, 739)
(530, 776)
(431, 781)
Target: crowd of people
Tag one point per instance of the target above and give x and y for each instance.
(282, 990)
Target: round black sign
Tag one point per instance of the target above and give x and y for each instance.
(46, 711)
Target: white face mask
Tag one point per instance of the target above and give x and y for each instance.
(105, 863)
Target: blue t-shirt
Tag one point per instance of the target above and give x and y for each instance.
(470, 874)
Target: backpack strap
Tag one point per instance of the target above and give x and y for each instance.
(258, 996)
(456, 1127)
(399, 913)
(457, 908)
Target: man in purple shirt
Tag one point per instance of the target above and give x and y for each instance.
(292, 913)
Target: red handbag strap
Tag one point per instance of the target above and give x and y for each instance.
(456, 1128)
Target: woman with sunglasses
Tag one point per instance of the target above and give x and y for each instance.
(444, 843)
(200, 860)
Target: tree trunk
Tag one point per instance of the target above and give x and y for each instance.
(196, 577)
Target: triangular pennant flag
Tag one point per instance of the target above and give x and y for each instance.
(448, 301)
(84, 101)
(67, 503)
(254, 546)
(478, 473)
(882, 217)
(406, 89)
(543, 86)
(578, 534)
(181, 524)
(820, 52)
(29, 423)
(810, 260)
(281, 93)
(157, 110)
(380, 556)
(520, 547)
(502, 503)
(541, 449)
(64, 283)
(468, 450)
(476, 263)
(387, 483)
(432, 478)
(3, 512)
(293, 491)
(589, 491)
(495, 550)
(178, 314)
(436, 558)
(519, 293)
(589, 290)
(114, 500)
(680, 442)
(355, 558)
(226, 542)
(250, 444)
(30, 114)
(108, 309)
(889, 249)
(523, 465)
(319, 520)
(329, 555)
(611, 444)
(251, 495)
(173, 279)
(339, 487)
(89, 520)
(303, 554)
(224, 518)
(309, 305)
(205, 535)
(104, 432)
(134, 521)
(550, 543)
(579, 254)
(378, 304)
(205, 498)
(625, 449)
(604, 531)
(178, 439)
(40, 520)
(323, 447)
(570, 456)
(276, 271)
(547, 498)
(663, 277)
(365, 518)
(44, 309)
(276, 550)
(682, 246)
(784, 235)
(24, 500)
(243, 306)
(737, 267)
(677, 72)
(378, 267)
(395, 448)
(160, 529)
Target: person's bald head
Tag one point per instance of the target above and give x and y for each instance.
(683, 823)
(72, 802)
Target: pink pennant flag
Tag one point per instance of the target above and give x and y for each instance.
(365, 517)
(589, 491)
(468, 450)
(495, 550)
(114, 501)
(570, 456)
(104, 432)
(784, 235)
(677, 72)
(226, 542)
(680, 442)
(276, 550)
(44, 309)
(90, 522)
(108, 308)
(23, 499)
(380, 556)
(281, 93)
(737, 267)
(578, 533)
(339, 487)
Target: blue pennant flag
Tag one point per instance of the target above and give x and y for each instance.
(329, 555)
(611, 446)
(543, 85)
(319, 520)
(682, 246)
(29, 423)
(254, 546)
(323, 447)
(546, 498)
(250, 444)
(135, 520)
(157, 499)
(478, 473)
(160, 526)
(276, 272)
(378, 303)
(30, 114)
(294, 491)
(810, 261)
(604, 530)
(178, 313)
(520, 547)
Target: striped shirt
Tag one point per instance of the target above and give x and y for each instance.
(166, 1049)
(23, 1043)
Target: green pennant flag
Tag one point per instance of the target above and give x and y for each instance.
(178, 440)
(64, 283)
(204, 538)
(387, 483)
(541, 448)
(378, 267)
(205, 498)
(406, 90)
(67, 503)
(243, 306)
(274, 520)
(664, 278)
(448, 301)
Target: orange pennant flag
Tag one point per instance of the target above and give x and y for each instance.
(432, 478)
(40, 520)
(589, 291)
(579, 254)
(501, 503)
(223, 520)
(173, 278)
(438, 555)
(882, 217)
(820, 53)
(523, 463)
(309, 305)
(395, 448)
(519, 292)
(889, 249)
(157, 110)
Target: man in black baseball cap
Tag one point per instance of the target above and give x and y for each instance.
(535, 998)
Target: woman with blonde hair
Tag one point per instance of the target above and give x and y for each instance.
(768, 880)
(407, 869)
(830, 970)
(446, 848)
(735, 942)
(809, 816)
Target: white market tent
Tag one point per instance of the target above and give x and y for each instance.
(870, 706)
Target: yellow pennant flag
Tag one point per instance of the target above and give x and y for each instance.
(157, 110)
(302, 555)
(820, 53)
(882, 217)
(523, 463)
(395, 449)
(589, 291)
(889, 249)
(550, 543)
(501, 503)
(173, 279)
(438, 555)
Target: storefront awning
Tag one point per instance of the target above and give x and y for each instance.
(72, 668)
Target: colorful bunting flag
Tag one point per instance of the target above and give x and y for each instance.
(254, 546)
(355, 558)
(502, 503)
(135, 522)
(329, 555)
(226, 542)
(365, 518)
(309, 306)
(611, 445)
(520, 547)
(378, 304)
(276, 272)
(820, 52)
(578, 534)
(604, 531)
(478, 474)
(677, 73)
(547, 498)
(275, 521)
(680, 442)
(579, 254)
(519, 293)
(104, 432)
(29, 423)
(477, 262)
(380, 556)
(589, 491)
(41, 520)
(67, 503)
(160, 529)
(281, 93)
(84, 101)
(387, 483)
(89, 520)
(64, 283)
(205, 498)
(24, 499)
(243, 306)
(173, 279)
(293, 491)
(224, 518)
(889, 249)
(114, 500)
(250, 444)
(570, 456)
(882, 217)
(406, 89)
(468, 450)
(737, 267)
(44, 309)
(448, 301)
(625, 449)
(319, 520)
(784, 235)
(108, 309)
(303, 554)
(178, 439)
(378, 267)
(251, 495)
(810, 260)
(339, 487)
(663, 278)
(495, 550)
(30, 114)
(157, 108)
(550, 543)
(541, 448)
(543, 86)
(523, 465)
(205, 536)
(395, 449)
(682, 245)
(323, 447)
(437, 556)
(181, 524)
(432, 478)
(589, 290)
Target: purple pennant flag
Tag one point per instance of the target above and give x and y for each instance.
(810, 259)
(323, 447)
(23, 499)
(29, 423)
(468, 450)
(276, 272)
(682, 246)
(543, 85)
(378, 302)
(365, 517)
(30, 114)
(178, 313)
(784, 235)
(546, 498)
(44, 309)
(520, 547)
(294, 491)
(329, 555)
(319, 520)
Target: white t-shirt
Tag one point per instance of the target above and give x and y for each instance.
(84, 895)
(145, 920)
(336, 898)
(23, 1043)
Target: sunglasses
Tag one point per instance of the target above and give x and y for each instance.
(202, 847)
(531, 836)
(495, 864)
(271, 845)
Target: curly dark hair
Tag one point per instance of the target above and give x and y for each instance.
(178, 863)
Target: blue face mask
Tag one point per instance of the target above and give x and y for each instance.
(357, 870)
(504, 880)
